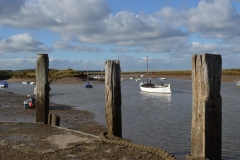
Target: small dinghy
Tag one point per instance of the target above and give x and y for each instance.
(30, 103)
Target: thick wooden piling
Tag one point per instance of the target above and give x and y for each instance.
(113, 98)
(206, 133)
(42, 89)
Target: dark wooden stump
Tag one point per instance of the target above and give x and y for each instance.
(113, 98)
(42, 89)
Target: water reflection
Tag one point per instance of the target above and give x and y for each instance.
(160, 97)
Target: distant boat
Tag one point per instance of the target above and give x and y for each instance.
(25, 82)
(238, 83)
(32, 83)
(163, 78)
(88, 85)
(152, 88)
(97, 77)
(3, 84)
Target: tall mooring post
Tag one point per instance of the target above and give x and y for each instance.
(113, 98)
(42, 89)
(206, 133)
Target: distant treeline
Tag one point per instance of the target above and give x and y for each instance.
(6, 74)
(57, 74)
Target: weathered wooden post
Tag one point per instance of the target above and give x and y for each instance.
(113, 98)
(53, 120)
(42, 89)
(206, 138)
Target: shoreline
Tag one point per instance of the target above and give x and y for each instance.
(75, 80)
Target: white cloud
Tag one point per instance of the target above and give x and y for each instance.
(22, 43)
(211, 19)
(79, 48)
(88, 22)
(54, 14)
(121, 50)
(10, 62)
(78, 64)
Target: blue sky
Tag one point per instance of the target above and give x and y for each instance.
(80, 33)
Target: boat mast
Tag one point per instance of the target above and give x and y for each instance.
(147, 68)
(87, 72)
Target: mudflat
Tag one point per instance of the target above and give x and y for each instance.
(76, 138)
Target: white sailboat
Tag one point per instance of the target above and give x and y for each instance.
(153, 88)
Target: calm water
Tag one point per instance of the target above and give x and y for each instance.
(153, 119)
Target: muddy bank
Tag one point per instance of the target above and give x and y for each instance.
(34, 141)
(12, 110)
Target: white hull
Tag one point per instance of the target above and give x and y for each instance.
(238, 83)
(163, 78)
(2, 86)
(157, 89)
(32, 83)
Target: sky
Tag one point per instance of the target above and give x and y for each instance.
(84, 34)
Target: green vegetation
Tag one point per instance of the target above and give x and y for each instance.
(57, 74)
(231, 71)
(31, 73)
(5, 74)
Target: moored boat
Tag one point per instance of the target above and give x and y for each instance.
(163, 78)
(97, 77)
(4, 84)
(153, 88)
(238, 83)
(32, 83)
(88, 85)
(25, 82)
